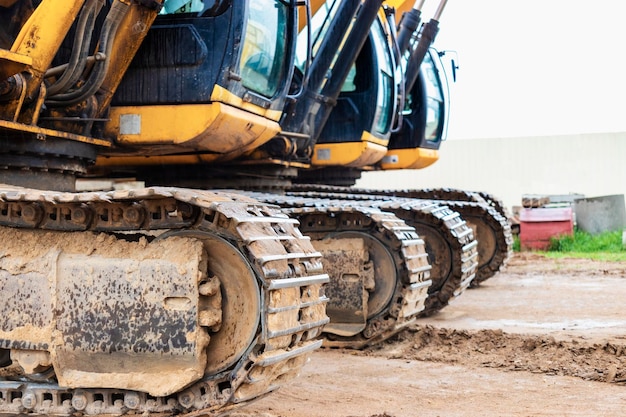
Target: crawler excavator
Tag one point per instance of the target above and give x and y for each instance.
(361, 131)
(196, 294)
(156, 300)
(350, 132)
(390, 285)
(391, 288)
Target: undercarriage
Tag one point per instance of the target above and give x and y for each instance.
(157, 300)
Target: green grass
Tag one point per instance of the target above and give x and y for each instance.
(604, 247)
(586, 243)
(516, 244)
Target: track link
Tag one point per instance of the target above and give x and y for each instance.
(398, 289)
(286, 266)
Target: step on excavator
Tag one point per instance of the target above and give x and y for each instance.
(199, 293)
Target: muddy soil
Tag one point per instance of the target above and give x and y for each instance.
(542, 338)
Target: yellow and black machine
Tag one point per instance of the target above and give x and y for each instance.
(154, 300)
(210, 286)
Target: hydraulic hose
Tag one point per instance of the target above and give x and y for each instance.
(427, 37)
(80, 50)
(112, 22)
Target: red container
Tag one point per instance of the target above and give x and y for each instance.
(538, 225)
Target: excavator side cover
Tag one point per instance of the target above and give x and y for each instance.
(102, 311)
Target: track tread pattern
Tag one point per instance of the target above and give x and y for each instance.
(430, 216)
(469, 204)
(320, 218)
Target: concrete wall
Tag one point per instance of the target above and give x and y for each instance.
(590, 164)
(599, 214)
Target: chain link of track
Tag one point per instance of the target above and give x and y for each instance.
(281, 347)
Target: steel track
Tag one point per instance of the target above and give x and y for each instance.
(450, 243)
(283, 260)
(481, 210)
(323, 219)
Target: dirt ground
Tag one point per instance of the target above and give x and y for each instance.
(542, 338)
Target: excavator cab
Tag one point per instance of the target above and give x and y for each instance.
(425, 115)
(358, 129)
(339, 30)
(363, 134)
(208, 84)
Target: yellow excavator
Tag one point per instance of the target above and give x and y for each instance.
(206, 289)
(354, 122)
(154, 300)
(386, 291)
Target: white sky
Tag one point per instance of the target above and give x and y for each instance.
(535, 67)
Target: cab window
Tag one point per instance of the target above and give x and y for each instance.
(264, 48)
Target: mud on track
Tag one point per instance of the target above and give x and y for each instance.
(543, 338)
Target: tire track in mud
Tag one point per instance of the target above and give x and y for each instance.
(604, 362)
